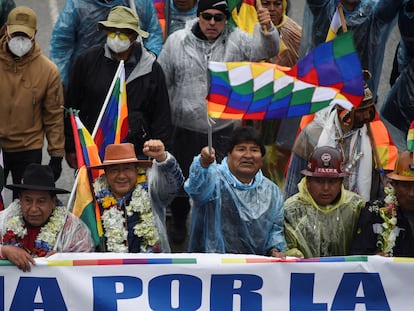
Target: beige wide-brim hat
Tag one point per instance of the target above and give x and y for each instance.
(121, 154)
(22, 19)
(122, 17)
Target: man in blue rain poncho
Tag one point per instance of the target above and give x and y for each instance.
(321, 219)
(76, 30)
(184, 59)
(235, 209)
(370, 21)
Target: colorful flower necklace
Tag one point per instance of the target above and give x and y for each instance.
(47, 237)
(114, 221)
(388, 233)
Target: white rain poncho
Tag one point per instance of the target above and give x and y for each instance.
(231, 217)
(312, 230)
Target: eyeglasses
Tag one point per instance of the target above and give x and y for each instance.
(208, 16)
(121, 36)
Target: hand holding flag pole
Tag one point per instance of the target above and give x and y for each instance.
(264, 27)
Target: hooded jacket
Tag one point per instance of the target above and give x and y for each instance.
(30, 102)
(319, 231)
(231, 217)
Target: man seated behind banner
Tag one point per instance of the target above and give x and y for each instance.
(36, 225)
(350, 132)
(386, 226)
(321, 219)
(133, 195)
(235, 209)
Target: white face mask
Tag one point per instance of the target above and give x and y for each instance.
(20, 45)
(117, 45)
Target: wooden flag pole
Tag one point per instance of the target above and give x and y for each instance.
(342, 17)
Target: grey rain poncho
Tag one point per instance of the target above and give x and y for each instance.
(231, 217)
(319, 231)
(184, 59)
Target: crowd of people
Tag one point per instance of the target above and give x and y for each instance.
(342, 188)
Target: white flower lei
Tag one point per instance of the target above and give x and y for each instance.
(47, 237)
(114, 221)
(388, 213)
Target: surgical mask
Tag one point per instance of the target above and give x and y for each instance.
(20, 45)
(117, 45)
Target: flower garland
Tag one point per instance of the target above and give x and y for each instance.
(114, 221)
(47, 237)
(387, 210)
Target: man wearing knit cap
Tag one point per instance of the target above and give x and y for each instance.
(184, 60)
(31, 98)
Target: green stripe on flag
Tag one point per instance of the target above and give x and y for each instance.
(316, 106)
(304, 96)
(263, 92)
(88, 217)
(283, 92)
(244, 88)
(341, 46)
(222, 74)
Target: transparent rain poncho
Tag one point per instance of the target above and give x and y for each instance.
(74, 237)
(319, 231)
(231, 217)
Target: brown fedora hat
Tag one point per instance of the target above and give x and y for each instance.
(37, 177)
(120, 154)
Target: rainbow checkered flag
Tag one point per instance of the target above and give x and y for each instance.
(330, 74)
(410, 138)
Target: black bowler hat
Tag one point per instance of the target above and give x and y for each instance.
(37, 177)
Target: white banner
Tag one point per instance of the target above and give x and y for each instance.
(105, 281)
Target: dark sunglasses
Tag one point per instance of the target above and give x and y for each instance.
(208, 16)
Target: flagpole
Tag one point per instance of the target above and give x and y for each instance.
(108, 96)
(342, 17)
(264, 27)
